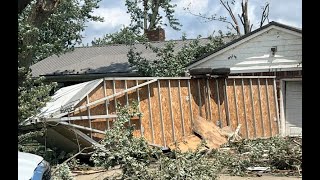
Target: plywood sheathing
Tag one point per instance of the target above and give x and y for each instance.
(173, 113)
(176, 110)
(273, 111)
(155, 109)
(231, 104)
(240, 106)
(248, 104)
(256, 105)
(185, 101)
(264, 106)
(214, 101)
(145, 118)
(222, 102)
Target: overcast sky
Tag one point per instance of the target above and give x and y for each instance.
(114, 12)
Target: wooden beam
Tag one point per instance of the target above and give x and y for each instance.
(74, 118)
(181, 109)
(253, 113)
(245, 109)
(150, 114)
(171, 112)
(83, 128)
(114, 95)
(260, 104)
(161, 118)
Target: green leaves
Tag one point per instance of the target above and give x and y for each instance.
(125, 36)
(169, 63)
(59, 33)
(147, 11)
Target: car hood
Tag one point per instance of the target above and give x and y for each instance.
(27, 163)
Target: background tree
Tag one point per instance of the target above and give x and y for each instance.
(46, 27)
(233, 19)
(124, 36)
(169, 63)
(149, 17)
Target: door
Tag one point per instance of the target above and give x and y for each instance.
(293, 107)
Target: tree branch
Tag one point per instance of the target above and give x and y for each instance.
(22, 4)
(265, 15)
(155, 8)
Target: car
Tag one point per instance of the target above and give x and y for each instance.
(33, 167)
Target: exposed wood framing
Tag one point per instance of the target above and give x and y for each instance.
(235, 101)
(161, 118)
(190, 104)
(126, 96)
(138, 99)
(150, 115)
(244, 108)
(260, 104)
(114, 91)
(181, 110)
(74, 118)
(251, 77)
(114, 95)
(106, 101)
(227, 103)
(171, 112)
(219, 108)
(83, 128)
(268, 104)
(199, 97)
(89, 118)
(253, 113)
(209, 99)
(276, 103)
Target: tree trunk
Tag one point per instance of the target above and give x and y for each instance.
(155, 8)
(145, 12)
(39, 14)
(245, 17)
(22, 4)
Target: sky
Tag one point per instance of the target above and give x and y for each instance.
(288, 12)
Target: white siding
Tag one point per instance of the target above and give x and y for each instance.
(293, 106)
(254, 55)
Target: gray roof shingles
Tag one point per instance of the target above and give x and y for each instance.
(98, 59)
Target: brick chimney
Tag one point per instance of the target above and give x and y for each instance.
(155, 35)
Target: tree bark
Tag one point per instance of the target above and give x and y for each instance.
(22, 4)
(245, 16)
(155, 9)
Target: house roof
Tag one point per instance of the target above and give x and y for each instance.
(272, 23)
(99, 59)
